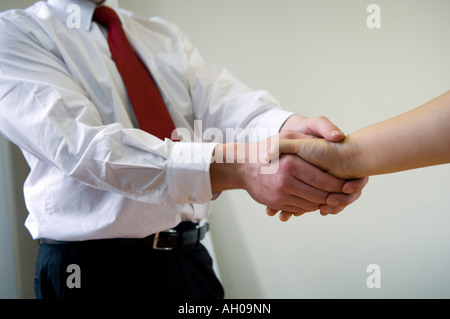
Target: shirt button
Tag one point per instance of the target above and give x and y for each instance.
(191, 198)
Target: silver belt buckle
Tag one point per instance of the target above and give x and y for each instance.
(156, 239)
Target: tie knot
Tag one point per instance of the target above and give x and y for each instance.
(105, 15)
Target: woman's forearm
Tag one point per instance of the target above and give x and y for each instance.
(418, 138)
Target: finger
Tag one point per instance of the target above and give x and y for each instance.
(326, 210)
(341, 200)
(285, 216)
(303, 196)
(355, 186)
(337, 203)
(310, 174)
(321, 126)
(283, 146)
(297, 210)
(271, 212)
(299, 205)
(288, 141)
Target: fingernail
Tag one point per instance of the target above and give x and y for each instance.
(349, 191)
(336, 132)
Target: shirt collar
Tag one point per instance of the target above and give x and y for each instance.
(64, 9)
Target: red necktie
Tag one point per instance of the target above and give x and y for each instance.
(143, 93)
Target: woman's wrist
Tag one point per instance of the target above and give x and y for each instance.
(349, 158)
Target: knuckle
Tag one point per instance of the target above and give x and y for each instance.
(287, 163)
(321, 118)
(281, 184)
(287, 134)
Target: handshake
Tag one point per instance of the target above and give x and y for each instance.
(319, 168)
(329, 157)
(300, 184)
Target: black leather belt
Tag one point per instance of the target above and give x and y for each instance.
(166, 240)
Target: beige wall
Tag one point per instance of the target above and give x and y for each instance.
(320, 58)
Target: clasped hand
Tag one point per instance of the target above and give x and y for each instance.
(305, 180)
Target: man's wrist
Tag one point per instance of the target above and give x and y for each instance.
(234, 164)
(226, 167)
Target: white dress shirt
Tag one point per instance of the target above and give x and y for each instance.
(94, 174)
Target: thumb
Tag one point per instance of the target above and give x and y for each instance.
(321, 126)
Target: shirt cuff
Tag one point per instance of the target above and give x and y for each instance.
(188, 172)
(274, 119)
(268, 124)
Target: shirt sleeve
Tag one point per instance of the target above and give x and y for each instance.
(49, 116)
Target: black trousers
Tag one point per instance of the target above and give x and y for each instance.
(104, 270)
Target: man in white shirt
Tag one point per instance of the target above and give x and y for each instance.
(122, 204)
